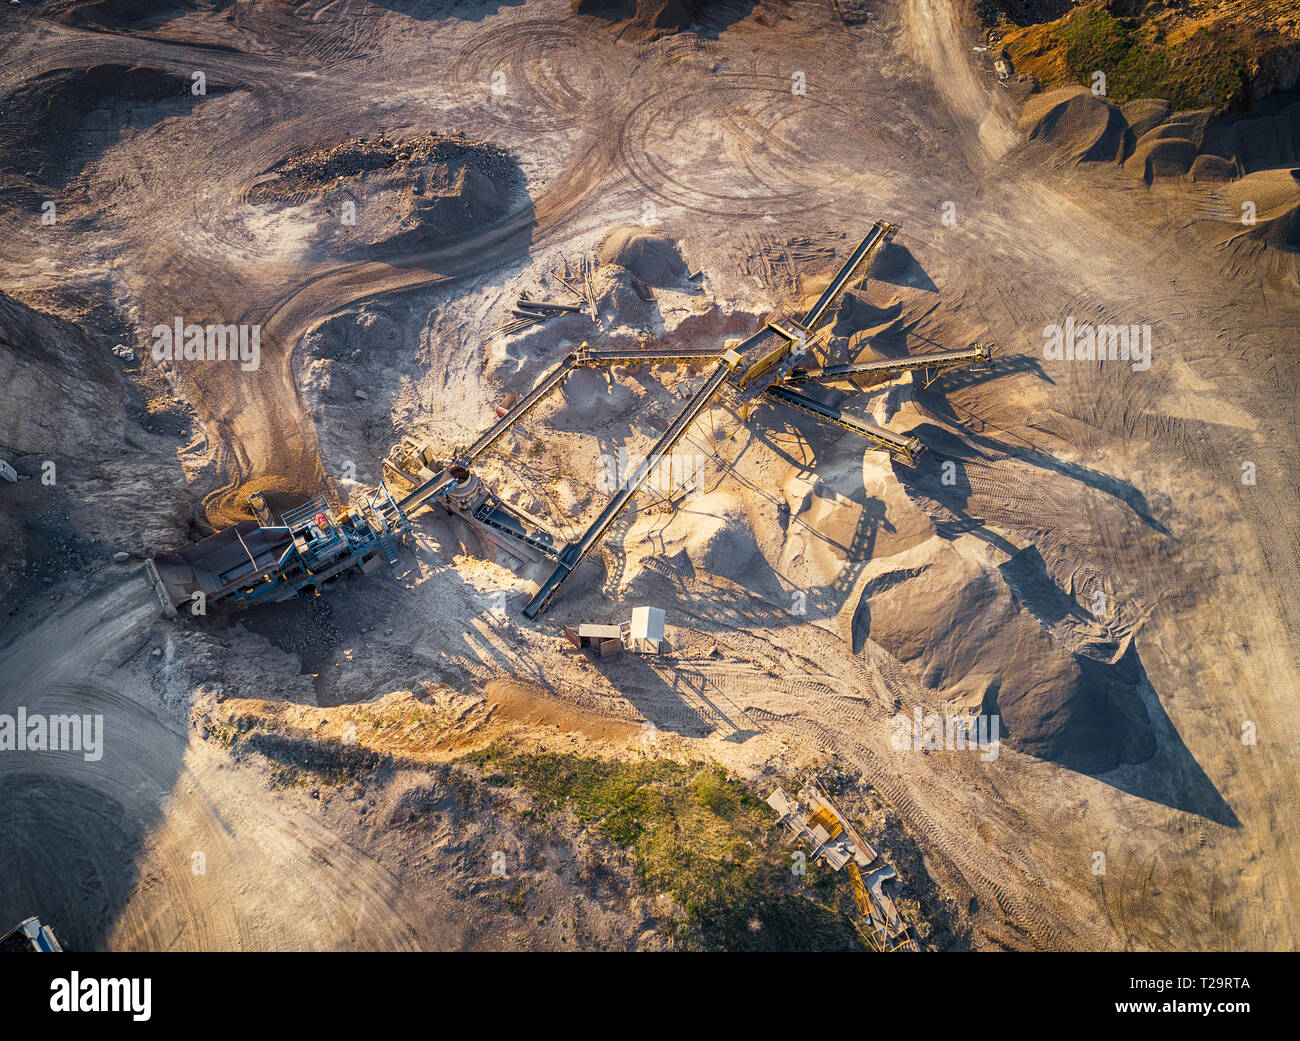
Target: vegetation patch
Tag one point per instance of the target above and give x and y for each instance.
(1203, 70)
(702, 845)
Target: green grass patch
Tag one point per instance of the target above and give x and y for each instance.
(1203, 71)
(697, 835)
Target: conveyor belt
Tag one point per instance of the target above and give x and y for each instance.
(522, 407)
(878, 233)
(417, 497)
(576, 551)
(893, 366)
(906, 448)
(649, 356)
(496, 514)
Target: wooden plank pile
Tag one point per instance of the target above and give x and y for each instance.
(576, 279)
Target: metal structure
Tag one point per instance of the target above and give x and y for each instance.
(866, 373)
(258, 562)
(755, 366)
(830, 837)
(30, 935)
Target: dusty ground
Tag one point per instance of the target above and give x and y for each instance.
(1075, 479)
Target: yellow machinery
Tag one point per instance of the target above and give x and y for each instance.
(859, 889)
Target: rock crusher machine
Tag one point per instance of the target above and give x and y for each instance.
(261, 562)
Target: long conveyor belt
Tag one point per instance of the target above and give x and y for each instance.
(645, 355)
(521, 408)
(878, 233)
(906, 448)
(892, 366)
(576, 551)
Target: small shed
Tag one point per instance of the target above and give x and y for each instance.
(647, 630)
(607, 639)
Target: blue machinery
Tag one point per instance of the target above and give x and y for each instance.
(257, 563)
(260, 562)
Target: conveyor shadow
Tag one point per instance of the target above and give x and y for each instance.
(945, 445)
(675, 699)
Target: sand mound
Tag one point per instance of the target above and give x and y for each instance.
(387, 195)
(55, 377)
(617, 297)
(894, 263)
(1158, 158)
(654, 259)
(1165, 131)
(1213, 168)
(1189, 126)
(651, 18)
(1270, 191)
(721, 541)
(63, 403)
(118, 13)
(1076, 126)
(973, 635)
(1266, 141)
(1144, 114)
(1281, 232)
(857, 313)
(60, 121)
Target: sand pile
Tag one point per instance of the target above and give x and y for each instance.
(655, 259)
(1268, 138)
(857, 313)
(1076, 126)
(1274, 197)
(1270, 191)
(58, 122)
(118, 13)
(1282, 233)
(617, 297)
(1212, 168)
(385, 195)
(71, 416)
(649, 16)
(1143, 114)
(1071, 126)
(1157, 157)
(970, 634)
(55, 378)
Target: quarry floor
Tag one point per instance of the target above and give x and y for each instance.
(767, 190)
